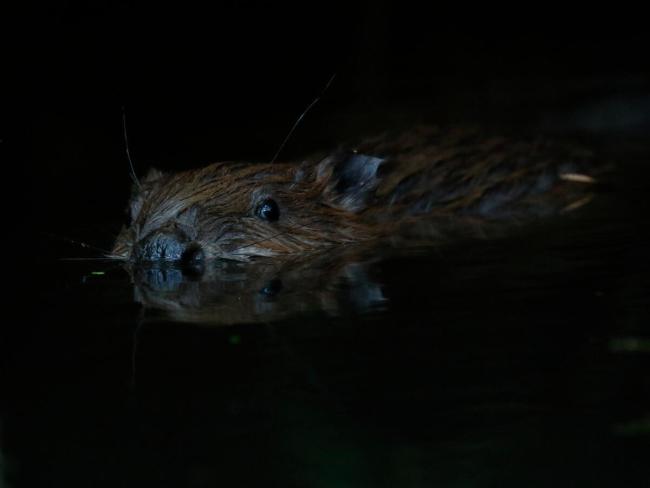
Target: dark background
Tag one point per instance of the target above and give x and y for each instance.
(226, 80)
(493, 363)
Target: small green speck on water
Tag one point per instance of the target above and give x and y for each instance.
(630, 344)
(97, 273)
(634, 428)
(234, 339)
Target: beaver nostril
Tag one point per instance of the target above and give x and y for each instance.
(193, 261)
(193, 254)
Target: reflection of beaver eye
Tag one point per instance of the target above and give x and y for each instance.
(268, 210)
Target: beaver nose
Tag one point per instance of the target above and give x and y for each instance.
(161, 246)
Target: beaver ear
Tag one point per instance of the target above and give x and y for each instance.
(355, 177)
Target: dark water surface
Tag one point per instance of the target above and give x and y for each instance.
(521, 361)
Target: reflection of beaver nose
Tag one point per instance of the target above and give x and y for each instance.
(161, 246)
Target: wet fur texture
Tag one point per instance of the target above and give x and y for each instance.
(456, 178)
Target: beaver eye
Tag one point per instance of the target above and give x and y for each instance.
(268, 210)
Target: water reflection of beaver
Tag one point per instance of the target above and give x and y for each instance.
(455, 181)
(231, 292)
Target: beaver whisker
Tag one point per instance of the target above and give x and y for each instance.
(134, 177)
(302, 115)
(109, 257)
(82, 244)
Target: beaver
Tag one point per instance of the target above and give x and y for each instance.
(457, 180)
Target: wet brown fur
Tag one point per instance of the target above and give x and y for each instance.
(450, 178)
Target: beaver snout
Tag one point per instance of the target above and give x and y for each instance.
(168, 246)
